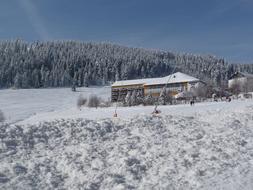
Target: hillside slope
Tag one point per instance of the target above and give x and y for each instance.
(62, 63)
(21, 104)
(145, 152)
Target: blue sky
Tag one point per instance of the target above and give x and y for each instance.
(220, 27)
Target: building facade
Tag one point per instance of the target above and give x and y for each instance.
(175, 83)
(242, 81)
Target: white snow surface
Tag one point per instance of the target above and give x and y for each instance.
(206, 146)
(21, 104)
(200, 110)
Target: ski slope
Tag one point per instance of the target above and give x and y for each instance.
(208, 150)
(51, 144)
(200, 110)
(32, 106)
(21, 104)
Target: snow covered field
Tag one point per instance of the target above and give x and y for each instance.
(207, 146)
(31, 106)
(21, 104)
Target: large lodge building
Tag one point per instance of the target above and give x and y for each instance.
(175, 83)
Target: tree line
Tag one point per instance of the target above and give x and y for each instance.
(62, 63)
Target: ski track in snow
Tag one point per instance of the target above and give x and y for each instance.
(208, 151)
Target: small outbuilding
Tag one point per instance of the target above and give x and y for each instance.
(243, 82)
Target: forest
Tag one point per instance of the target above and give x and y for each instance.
(64, 63)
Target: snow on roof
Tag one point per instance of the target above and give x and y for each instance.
(246, 74)
(173, 78)
(241, 74)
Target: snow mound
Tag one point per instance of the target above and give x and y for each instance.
(146, 152)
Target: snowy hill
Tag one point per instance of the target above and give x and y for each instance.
(31, 106)
(144, 152)
(20, 104)
(60, 63)
(54, 145)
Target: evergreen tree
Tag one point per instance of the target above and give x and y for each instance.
(134, 98)
(54, 64)
(18, 81)
(149, 100)
(128, 98)
(139, 97)
(162, 97)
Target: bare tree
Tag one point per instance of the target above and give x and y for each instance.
(139, 97)
(250, 85)
(134, 98)
(235, 88)
(93, 101)
(2, 118)
(128, 98)
(81, 101)
(162, 97)
(105, 103)
(209, 90)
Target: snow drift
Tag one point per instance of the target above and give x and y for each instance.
(146, 152)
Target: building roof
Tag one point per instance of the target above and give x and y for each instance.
(241, 74)
(173, 78)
